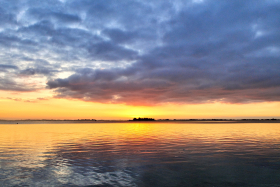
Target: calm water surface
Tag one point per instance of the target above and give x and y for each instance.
(140, 154)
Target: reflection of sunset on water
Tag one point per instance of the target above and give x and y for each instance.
(39, 138)
(104, 153)
(34, 134)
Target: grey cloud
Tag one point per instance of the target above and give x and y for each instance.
(10, 84)
(121, 36)
(7, 68)
(58, 83)
(33, 71)
(110, 51)
(39, 67)
(165, 86)
(146, 52)
(4, 66)
(46, 14)
(39, 29)
(7, 18)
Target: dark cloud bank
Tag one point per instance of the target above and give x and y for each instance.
(145, 52)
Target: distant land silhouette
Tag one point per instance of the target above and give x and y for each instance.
(248, 120)
(143, 119)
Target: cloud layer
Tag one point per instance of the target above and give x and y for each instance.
(143, 52)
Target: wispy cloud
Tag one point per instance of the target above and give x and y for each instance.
(144, 52)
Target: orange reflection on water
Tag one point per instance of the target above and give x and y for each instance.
(89, 149)
(32, 144)
(44, 136)
(50, 134)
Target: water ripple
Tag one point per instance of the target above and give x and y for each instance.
(143, 154)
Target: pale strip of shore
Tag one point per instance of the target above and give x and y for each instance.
(136, 121)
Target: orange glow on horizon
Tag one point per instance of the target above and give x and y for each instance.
(29, 107)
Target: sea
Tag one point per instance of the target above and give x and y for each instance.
(144, 154)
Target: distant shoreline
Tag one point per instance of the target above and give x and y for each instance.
(131, 121)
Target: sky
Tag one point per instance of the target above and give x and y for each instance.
(119, 59)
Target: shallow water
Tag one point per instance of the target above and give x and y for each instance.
(140, 154)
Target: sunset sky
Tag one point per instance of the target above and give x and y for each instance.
(119, 59)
